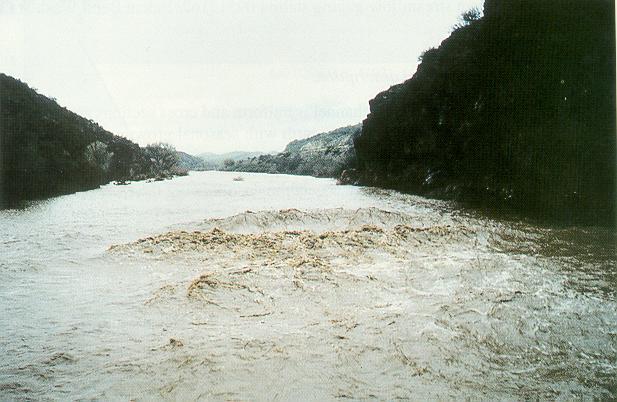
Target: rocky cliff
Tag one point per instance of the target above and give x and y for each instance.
(322, 155)
(515, 110)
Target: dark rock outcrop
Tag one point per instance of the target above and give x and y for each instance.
(515, 110)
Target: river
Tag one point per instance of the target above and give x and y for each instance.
(280, 287)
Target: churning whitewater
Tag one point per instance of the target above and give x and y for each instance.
(174, 290)
(367, 303)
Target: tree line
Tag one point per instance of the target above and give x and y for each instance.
(46, 150)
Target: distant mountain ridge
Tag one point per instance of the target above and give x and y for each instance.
(234, 155)
(190, 162)
(322, 155)
(211, 160)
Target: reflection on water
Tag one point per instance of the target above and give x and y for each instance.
(456, 306)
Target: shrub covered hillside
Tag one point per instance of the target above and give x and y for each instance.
(47, 150)
(322, 155)
(515, 109)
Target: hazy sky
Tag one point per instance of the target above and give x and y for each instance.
(219, 75)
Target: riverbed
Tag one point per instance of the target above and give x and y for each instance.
(280, 287)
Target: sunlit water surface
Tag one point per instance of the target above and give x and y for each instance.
(74, 325)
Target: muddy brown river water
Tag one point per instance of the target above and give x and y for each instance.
(293, 288)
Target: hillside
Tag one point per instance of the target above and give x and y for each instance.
(213, 161)
(515, 110)
(190, 162)
(48, 150)
(322, 155)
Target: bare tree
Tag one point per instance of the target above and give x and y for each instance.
(163, 158)
(97, 154)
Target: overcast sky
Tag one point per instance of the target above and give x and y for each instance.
(219, 75)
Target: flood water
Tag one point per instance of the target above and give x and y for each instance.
(344, 293)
